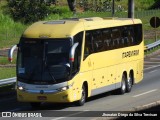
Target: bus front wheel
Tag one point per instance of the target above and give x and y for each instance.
(83, 97)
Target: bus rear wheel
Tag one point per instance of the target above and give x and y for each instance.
(129, 83)
(35, 104)
(83, 97)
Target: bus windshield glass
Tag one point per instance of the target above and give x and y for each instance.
(43, 61)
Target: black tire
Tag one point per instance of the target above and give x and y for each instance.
(83, 97)
(129, 83)
(35, 104)
(122, 89)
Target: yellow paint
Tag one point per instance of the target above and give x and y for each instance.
(98, 69)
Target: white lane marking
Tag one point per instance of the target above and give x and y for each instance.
(145, 93)
(58, 118)
(142, 107)
(150, 104)
(152, 71)
(70, 115)
(151, 67)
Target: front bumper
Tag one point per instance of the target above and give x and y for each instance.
(64, 96)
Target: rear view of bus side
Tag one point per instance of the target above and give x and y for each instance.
(70, 60)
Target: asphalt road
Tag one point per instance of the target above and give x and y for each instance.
(146, 92)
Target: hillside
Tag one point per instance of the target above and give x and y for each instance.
(10, 31)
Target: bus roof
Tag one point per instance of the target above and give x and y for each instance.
(69, 27)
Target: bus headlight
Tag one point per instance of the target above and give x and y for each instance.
(65, 87)
(21, 88)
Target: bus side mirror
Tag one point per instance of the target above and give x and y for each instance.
(72, 52)
(10, 53)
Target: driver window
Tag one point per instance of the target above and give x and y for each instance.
(77, 57)
(88, 47)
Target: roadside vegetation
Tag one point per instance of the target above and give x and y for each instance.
(11, 30)
(7, 72)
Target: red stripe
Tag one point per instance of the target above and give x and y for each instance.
(10, 59)
(72, 59)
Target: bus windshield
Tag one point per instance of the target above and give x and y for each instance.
(43, 61)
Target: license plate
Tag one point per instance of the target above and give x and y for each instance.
(41, 97)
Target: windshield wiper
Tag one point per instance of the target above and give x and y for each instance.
(53, 78)
(45, 64)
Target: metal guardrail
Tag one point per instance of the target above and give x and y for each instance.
(152, 46)
(146, 48)
(8, 81)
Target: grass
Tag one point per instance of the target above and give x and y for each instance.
(151, 51)
(7, 72)
(149, 41)
(10, 31)
(4, 60)
(139, 4)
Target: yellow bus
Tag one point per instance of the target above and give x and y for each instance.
(72, 59)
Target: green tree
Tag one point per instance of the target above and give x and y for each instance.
(28, 10)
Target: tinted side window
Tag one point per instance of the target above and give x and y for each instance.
(116, 36)
(98, 41)
(131, 36)
(112, 38)
(76, 65)
(138, 34)
(88, 47)
(107, 37)
(125, 40)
